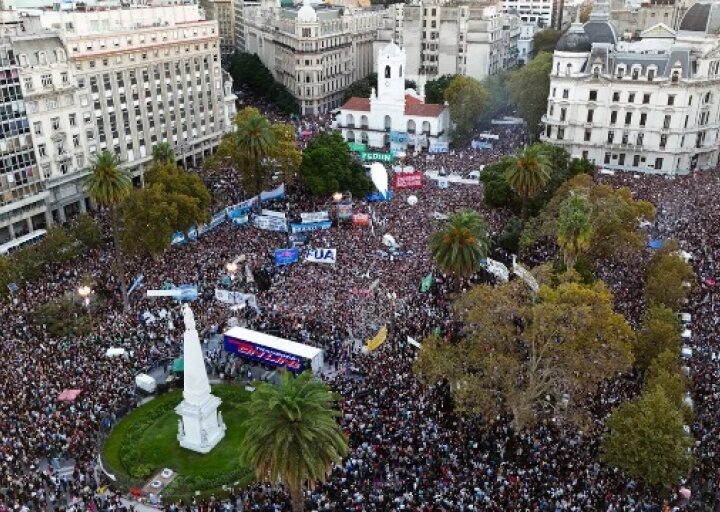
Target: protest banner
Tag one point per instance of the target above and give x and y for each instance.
(272, 213)
(344, 211)
(286, 256)
(276, 193)
(375, 342)
(314, 217)
(270, 223)
(437, 146)
(407, 180)
(361, 219)
(321, 256)
(228, 297)
(310, 226)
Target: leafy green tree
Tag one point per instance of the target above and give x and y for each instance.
(248, 70)
(109, 185)
(283, 99)
(328, 167)
(361, 88)
(258, 150)
(528, 355)
(509, 239)
(149, 219)
(666, 361)
(529, 173)
(435, 89)
(63, 318)
(496, 190)
(660, 332)
(163, 153)
(667, 276)
(182, 189)
(58, 246)
(574, 228)
(466, 98)
(546, 40)
(85, 230)
(646, 440)
(498, 97)
(9, 273)
(529, 87)
(585, 10)
(458, 247)
(292, 434)
(673, 385)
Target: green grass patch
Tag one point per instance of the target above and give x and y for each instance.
(145, 441)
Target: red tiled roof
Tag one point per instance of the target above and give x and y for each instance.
(356, 103)
(416, 107)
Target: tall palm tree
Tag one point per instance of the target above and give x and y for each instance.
(108, 185)
(461, 245)
(528, 174)
(574, 228)
(292, 435)
(255, 140)
(163, 153)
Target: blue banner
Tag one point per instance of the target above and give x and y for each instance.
(377, 196)
(276, 193)
(286, 256)
(270, 223)
(241, 219)
(187, 292)
(399, 137)
(178, 238)
(478, 144)
(438, 147)
(309, 226)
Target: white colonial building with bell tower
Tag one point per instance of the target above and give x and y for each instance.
(393, 111)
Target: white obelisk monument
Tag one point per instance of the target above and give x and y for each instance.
(200, 427)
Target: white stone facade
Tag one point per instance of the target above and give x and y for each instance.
(647, 106)
(113, 80)
(537, 12)
(222, 11)
(442, 39)
(316, 52)
(393, 109)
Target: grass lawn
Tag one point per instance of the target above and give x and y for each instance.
(146, 441)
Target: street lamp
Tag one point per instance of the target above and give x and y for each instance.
(232, 268)
(84, 292)
(337, 196)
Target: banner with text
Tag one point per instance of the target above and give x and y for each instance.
(314, 217)
(408, 180)
(310, 226)
(361, 219)
(287, 256)
(228, 297)
(438, 147)
(321, 255)
(270, 223)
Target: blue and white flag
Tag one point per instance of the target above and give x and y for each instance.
(321, 256)
(276, 193)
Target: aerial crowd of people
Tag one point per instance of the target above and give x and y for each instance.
(409, 451)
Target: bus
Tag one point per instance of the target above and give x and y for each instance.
(258, 347)
(22, 241)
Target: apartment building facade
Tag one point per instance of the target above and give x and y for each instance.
(121, 80)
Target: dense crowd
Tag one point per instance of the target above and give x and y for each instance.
(408, 450)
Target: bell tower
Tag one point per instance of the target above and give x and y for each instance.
(391, 74)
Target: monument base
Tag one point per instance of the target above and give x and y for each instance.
(201, 427)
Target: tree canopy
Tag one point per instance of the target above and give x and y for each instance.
(184, 190)
(669, 278)
(435, 89)
(149, 220)
(529, 87)
(660, 331)
(261, 151)
(328, 167)
(292, 433)
(546, 40)
(517, 351)
(248, 70)
(574, 228)
(646, 440)
(528, 173)
(458, 247)
(466, 98)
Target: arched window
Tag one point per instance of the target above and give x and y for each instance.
(426, 127)
(387, 71)
(400, 72)
(350, 121)
(23, 59)
(568, 69)
(42, 59)
(411, 126)
(675, 76)
(364, 122)
(557, 69)
(388, 123)
(596, 71)
(350, 136)
(60, 55)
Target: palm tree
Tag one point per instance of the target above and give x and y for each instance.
(255, 140)
(574, 228)
(459, 248)
(528, 174)
(292, 435)
(163, 153)
(108, 185)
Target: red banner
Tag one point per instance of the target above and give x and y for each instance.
(408, 180)
(361, 219)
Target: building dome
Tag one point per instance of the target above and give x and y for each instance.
(702, 17)
(601, 31)
(306, 13)
(574, 40)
